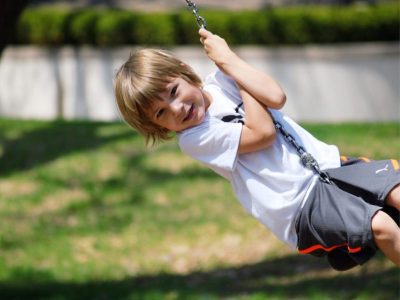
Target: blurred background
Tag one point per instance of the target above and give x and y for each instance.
(325, 56)
(87, 211)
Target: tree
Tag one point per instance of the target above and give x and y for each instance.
(10, 11)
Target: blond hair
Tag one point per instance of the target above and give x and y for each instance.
(140, 81)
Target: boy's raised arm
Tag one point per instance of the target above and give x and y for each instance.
(257, 83)
(259, 131)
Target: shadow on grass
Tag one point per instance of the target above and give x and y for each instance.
(286, 277)
(96, 214)
(50, 141)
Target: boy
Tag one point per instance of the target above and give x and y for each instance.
(228, 124)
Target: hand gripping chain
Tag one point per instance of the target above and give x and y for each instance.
(201, 22)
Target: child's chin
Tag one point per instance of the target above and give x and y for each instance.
(202, 115)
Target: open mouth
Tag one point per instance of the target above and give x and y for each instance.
(189, 114)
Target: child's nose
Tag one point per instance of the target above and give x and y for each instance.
(176, 107)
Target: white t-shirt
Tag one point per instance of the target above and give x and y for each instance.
(271, 184)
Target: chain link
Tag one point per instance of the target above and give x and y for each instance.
(201, 22)
(306, 158)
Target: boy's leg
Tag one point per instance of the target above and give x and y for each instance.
(393, 198)
(385, 230)
(387, 236)
(377, 182)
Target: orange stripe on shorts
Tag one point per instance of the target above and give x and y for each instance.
(364, 159)
(328, 249)
(395, 164)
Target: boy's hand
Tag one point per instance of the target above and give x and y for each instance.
(258, 84)
(216, 48)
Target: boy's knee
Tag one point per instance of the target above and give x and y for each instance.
(393, 198)
(381, 225)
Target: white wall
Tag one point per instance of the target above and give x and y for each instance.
(323, 83)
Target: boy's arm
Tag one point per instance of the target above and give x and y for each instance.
(259, 131)
(257, 90)
(257, 83)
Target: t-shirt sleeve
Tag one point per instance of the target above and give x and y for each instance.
(213, 142)
(227, 85)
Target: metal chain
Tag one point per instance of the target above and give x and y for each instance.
(306, 158)
(201, 22)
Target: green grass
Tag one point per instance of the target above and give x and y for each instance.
(88, 212)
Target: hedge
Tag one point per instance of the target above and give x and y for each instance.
(272, 26)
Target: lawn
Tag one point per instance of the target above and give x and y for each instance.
(88, 212)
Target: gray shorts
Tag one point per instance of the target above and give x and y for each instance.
(336, 219)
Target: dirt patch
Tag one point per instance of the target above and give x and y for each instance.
(13, 188)
(58, 201)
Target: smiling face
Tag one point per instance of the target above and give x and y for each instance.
(181, 106)
(145, 90)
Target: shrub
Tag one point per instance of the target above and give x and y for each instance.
(286, 25)
(186, 28)
(43, 26)
(82, 26)
(250, 27)
(115, 27)
(154, 29)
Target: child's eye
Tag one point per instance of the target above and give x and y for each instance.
(173, 91)
(159, 113)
